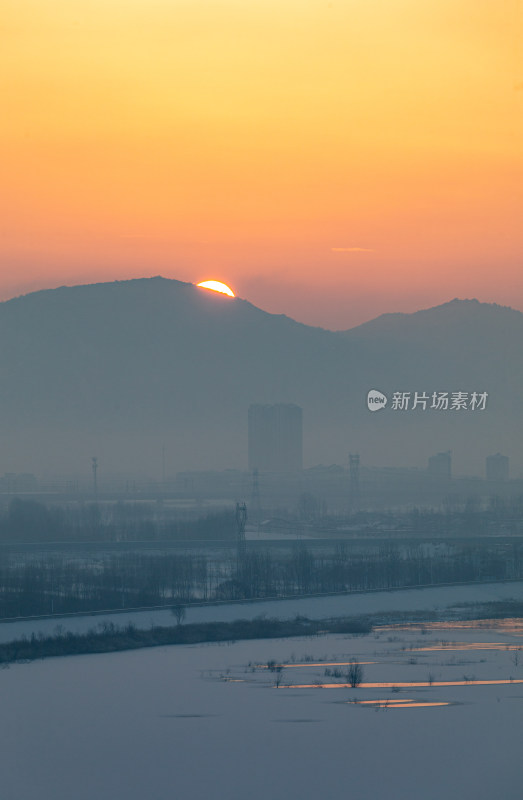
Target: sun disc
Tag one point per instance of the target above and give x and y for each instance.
(216, 286)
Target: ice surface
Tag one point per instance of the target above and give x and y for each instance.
(206, 721)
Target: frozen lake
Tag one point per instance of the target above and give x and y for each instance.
(438, 716)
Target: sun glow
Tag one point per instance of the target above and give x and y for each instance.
(254, 131)
(216, 286)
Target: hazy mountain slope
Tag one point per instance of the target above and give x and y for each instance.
(119, 369)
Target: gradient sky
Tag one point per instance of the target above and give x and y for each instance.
(330, 160)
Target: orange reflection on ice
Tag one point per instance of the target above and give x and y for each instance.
(397, 703)
(400, 684)
(380, 702)
(317, 664)
(468, 646)
(418, 705)
(509, 625)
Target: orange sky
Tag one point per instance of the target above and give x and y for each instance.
(329, 160)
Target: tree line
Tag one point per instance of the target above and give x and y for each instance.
(33, 521)
(109, 638)
(58, 584)
(29, 520)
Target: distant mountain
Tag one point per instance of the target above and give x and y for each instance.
(121, 369)
(462, 340)
(463, 318)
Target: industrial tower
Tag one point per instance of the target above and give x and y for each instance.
(354, 481)
(241, 520)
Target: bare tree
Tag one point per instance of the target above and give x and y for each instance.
(179, 612)
(354, 674)
(279, 676)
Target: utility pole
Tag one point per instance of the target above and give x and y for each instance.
(95, 469)
(354, 481)
(255, 499)
(241, 520)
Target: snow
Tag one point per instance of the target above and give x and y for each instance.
(205, 721)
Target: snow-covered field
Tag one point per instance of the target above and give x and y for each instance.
(431, 599)
(207, 721)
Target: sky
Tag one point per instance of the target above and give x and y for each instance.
(327, 160)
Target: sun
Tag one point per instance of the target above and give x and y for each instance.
(216, 286)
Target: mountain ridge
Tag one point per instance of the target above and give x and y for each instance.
(393, 317)
(118, 368)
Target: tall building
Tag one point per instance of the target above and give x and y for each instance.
(440, 465)
(275, 437)
(496, 467)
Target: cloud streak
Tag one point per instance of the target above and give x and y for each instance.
(352, 250)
